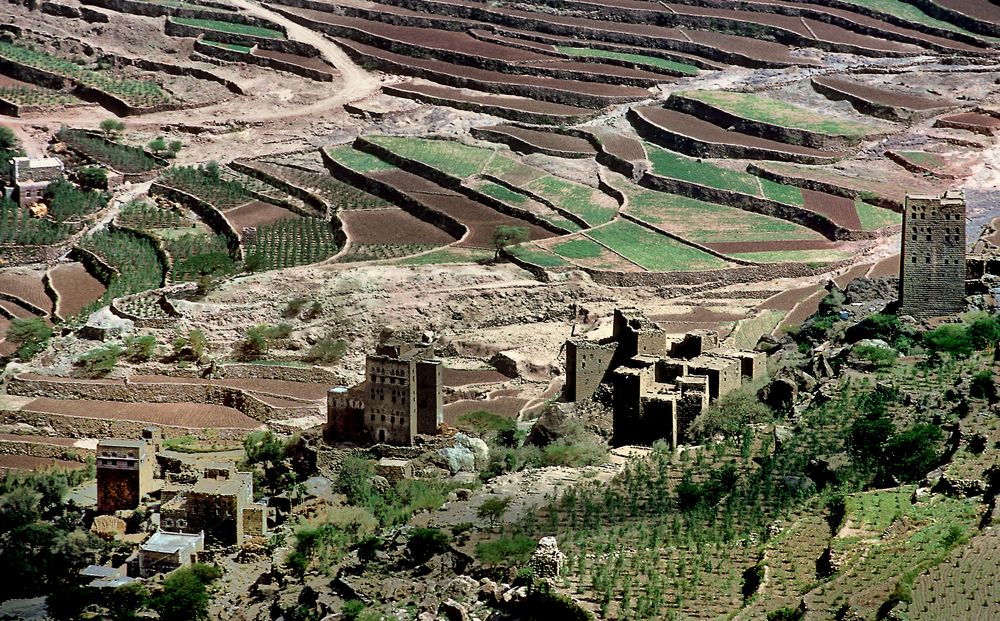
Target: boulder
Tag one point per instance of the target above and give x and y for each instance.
(103, 325)
(452, 611)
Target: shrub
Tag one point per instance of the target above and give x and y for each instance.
(910, 454)
(29, 335)
(879, 357)
(294, 307)
(950, 338)
(328, 349)
(92, 177)
(141, 348)
(424, 543)
(983, 386)
(112, 127)
(185, 596)
(731, 415)
(513, 550)
(256, 343)
(100, 361)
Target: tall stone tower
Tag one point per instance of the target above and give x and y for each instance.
(932, 261)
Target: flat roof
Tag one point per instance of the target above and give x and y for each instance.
(169, 543)
(121, 443)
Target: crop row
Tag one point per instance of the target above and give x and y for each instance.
(123, 158)
(288, 243)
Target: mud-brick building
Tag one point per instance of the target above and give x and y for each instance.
(658, 385)
(932, 270)
(125, 470)
(401, 397)
(220, 504)
(31, 177)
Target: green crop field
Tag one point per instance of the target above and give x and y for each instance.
(580, 248)
(930, 161)
(501, 193)
(227, 46)
(699, 221)
(874, 218)
(449, 255)
(653, 61)
(811, 257)
(652, 251)
(36, 96)
(910, 12)
(675, 166)
(748, 331)
(775, 112)
(453, 158)
(230, 27)
(358, 161)
(590, 204)
(531, 253)
(135, 92)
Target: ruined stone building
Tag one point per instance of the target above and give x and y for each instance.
(125, 470)
(31, 177)
(932, 269)
(658, 386)
(400, 398)
(220, 505)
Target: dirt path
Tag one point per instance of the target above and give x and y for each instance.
(358, 83)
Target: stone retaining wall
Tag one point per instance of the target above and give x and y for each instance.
(522, 116)
(404, 201)
(700, 147)
(287, 46)
(488, 134)
(79, 427)
(770, 131)
(236, 398)
(207, 211)
(829, 188)
(47, 451)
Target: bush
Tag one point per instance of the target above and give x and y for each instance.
(911, 454)
(514, 550)
(141, 348)
(294, 307)
(425, 543)
(983, 386)
(29, 335)
(99, 362)
(185, 596)
(731, 415)
(493, 508)
(92, 177)
(879, 357)
(256, 344)
(328, 350)
(950, 338)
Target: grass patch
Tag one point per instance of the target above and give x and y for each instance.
(874, 218)
(227, 46)
(531, 253)
(811, 257)
(577, 199)
(699, 221)
(652, 61)
(230, 27)
(676, 166)
(449, 255)
(652, 251)
(774, 112)
(358, 161)
(930, 161)
(501, 193)
(912, 13)
(748, 331)
(453, 158)
(581, 248)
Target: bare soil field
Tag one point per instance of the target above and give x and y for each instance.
(390, 226)
(622, 147)
(257, 213)
(37, 464)
(545, 141)
(839, 210)
(467, 377)
(885, 268)
(884, 96)
(973, 121)
(52, 440)
(787, 300)
(26, 286)
(186, 415)
(508, 407)
(314, 63)
(770, 246)
(296, 390)
(76, 288)
(478, 100)
(12, 309)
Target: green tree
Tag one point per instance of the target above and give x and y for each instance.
(19, 507)
(112, 128)
(174, 148)
(125, 601)
(157, 145)
(493, 509)
(93, 177)
(185, 594)
(255, 344)
(355, 481)
(731, 415)
(504, 236)
(10, 147)
(30, 335)
(911, 454)
(983, 386)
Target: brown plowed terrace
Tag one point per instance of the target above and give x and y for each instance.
(545, 140)
(766, 52)
(76, 288)
(699, 129)
(186, 415)
(884, 96)
(501, 101)
(463, 48)
(479, 219)
(806, 28)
